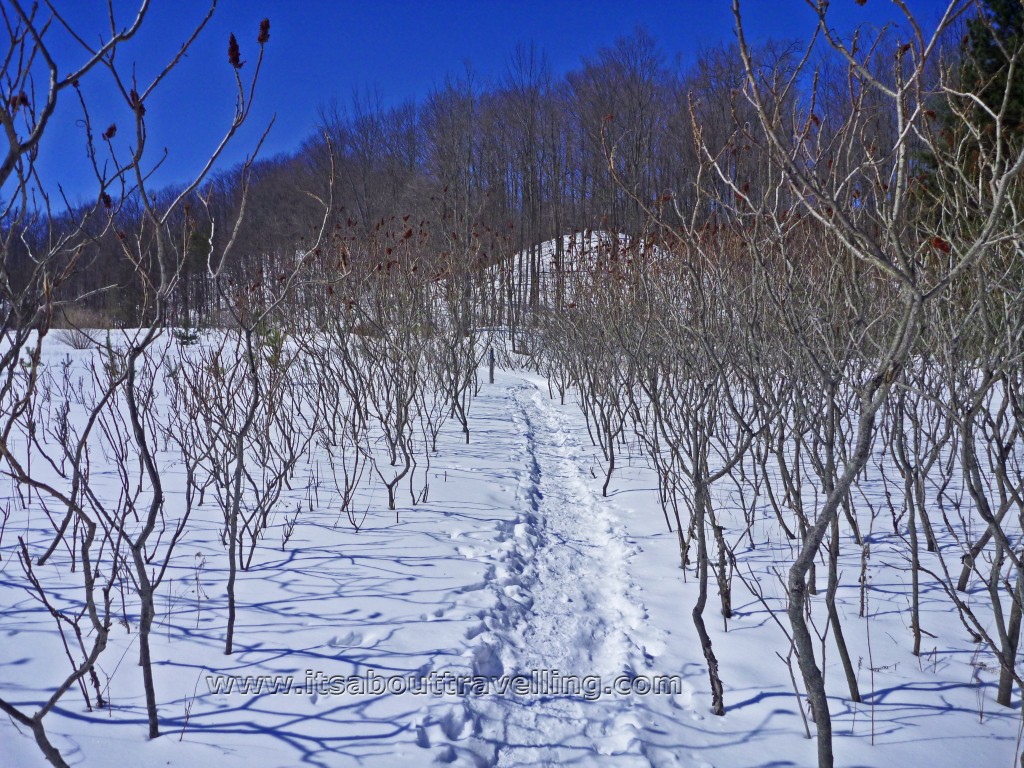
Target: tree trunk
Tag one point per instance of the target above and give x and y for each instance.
(717, 693)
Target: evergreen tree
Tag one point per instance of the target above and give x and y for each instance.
(993, 68)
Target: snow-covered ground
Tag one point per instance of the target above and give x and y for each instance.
(515, 567)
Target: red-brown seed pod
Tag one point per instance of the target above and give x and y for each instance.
(234, 54)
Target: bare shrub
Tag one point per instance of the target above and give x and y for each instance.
(75, 338)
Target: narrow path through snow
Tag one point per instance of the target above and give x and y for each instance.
(567, 612)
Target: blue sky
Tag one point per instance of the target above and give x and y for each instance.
(323, 50)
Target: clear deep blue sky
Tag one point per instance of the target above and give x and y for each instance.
(323, 50)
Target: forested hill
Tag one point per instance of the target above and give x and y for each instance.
(488, 169)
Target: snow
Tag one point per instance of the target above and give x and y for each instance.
(516, 564)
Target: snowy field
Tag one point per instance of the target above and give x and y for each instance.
(516, 566)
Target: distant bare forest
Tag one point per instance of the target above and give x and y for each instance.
(480, 174)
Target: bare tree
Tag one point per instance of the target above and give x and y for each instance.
(868, 203)
(120, 415)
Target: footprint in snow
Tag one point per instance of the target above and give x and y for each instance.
(349, 640)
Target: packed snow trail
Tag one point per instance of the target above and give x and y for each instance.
(566, 605)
